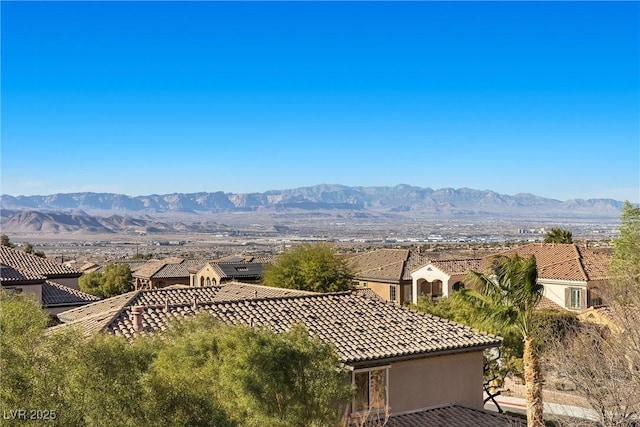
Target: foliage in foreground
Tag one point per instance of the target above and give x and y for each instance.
(200, 373)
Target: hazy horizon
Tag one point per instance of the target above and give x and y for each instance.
(143, 98)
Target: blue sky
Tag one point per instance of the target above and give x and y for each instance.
(143, 97)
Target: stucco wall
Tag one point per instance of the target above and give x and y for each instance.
(207, 272)
(555, 291)
(379, 288)
(70, 282)
(431, 381)
(33, 290)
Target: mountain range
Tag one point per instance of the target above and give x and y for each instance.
(109, 211)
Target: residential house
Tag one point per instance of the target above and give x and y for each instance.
(439, 278)
(246, 269)
(399, 360)
(572, 275)
(387, 272)
(156, 274)
(53, 285)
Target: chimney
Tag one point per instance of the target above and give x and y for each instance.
(136, 317)
(166, 306)
(195, 304)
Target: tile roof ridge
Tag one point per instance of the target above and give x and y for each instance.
(75, 291)
(112, 315)
(316, 295)
(449, 321)
(455, 259)
(580, 260)
(171, 289)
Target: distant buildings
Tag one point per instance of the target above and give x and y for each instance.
(53, 285)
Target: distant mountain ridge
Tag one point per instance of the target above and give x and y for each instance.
(401, 198)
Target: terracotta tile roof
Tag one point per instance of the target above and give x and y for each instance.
(31, 265)
(57, 294)
(106, 305)
(368, 293)
(9, 275)
(458, 266)
(595, 264)
(180, 270)
(149, 269)
(176, 295)
(452, 416)
(361, 329)
(264, 259)
(565, 261)
(415, 261)
(168, 268)
(546, 304)
(233, 291)
(387, 265)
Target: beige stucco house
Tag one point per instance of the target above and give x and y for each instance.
(399, 360)
(219, 272)
(572, 275)
(166, 272)
(387, 272)
(53, 285)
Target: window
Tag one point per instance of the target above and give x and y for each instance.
(458, 286)
(574, 298)
(371, 390)
(392, 293)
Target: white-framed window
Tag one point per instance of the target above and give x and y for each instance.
(372, 394)
(575, 295)
(392, 293)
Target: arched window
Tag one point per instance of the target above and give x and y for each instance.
(201, 281)
(208, 281)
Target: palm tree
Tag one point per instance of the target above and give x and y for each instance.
(508, 295)
(557, 235)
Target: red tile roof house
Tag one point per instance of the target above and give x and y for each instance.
(53, 285)
(387, 272)
(572, 275)
(166, 272)
(399, 360)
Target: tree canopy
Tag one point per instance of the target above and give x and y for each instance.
(28, 248)
(558, 235)
(310, 267)
(115, 279)
(4, 241)
(626, 248)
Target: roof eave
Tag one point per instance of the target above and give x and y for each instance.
(403, 358)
